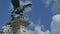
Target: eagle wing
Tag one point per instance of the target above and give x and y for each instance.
(15, 3)
(27, 5)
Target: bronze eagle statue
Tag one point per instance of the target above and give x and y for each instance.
(18, 9)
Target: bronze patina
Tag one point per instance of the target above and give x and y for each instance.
(18, 9)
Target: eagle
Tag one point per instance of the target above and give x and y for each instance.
(18, 9)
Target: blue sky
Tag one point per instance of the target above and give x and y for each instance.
(39, 11)
(42, 10)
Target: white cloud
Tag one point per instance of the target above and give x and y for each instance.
(47, 2)
(55, 26)
(37, 30)
(53, 4)
(56, 7)
(30, 32)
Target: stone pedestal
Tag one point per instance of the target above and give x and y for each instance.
(7, 29)
(19, 26)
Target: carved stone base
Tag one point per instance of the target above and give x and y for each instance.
(19, 26)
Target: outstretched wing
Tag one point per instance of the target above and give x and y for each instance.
(15, 3)
(27, 5)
